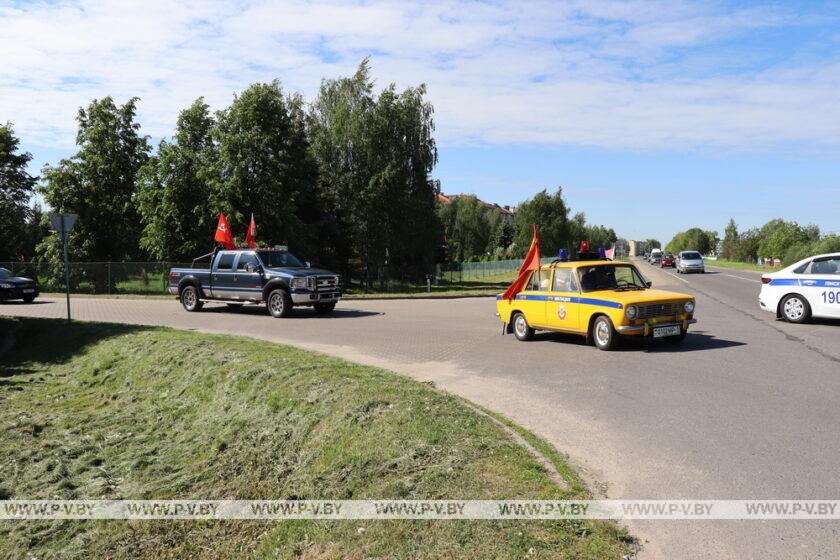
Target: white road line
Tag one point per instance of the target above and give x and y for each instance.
(675, 276)
(752, 280)
(669, 274)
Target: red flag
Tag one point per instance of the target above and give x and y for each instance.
(223, 234)
(251, 234)
(532, 262)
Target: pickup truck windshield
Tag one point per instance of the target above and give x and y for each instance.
(278, 259)
(610, 277)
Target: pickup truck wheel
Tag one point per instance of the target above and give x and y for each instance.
(29, 299)
(189, 299)
(279, 303)
(324, 308)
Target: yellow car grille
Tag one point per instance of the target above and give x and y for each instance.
(648, 310)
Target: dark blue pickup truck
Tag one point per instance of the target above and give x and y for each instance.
(271, 276)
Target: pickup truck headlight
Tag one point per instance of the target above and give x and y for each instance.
(7, 286)
(631, 312)
(300, 283)
(689, 307)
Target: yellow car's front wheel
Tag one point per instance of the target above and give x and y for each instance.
(603, 333)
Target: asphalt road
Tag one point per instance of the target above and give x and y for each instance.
(746, 408)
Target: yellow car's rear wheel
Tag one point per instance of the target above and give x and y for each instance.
(521, 329)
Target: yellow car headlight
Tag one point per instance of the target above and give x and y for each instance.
(631, 312)
(689, 307)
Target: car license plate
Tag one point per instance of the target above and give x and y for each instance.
(659, 332)
(28, 290)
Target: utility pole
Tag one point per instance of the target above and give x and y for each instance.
(63, 223)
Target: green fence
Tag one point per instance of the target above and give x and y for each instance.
(97, 278)
(150, 277)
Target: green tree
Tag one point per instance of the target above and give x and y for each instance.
(778, 236)
(550, 213)
(501, 236)
(264, 167)
(375, 155)
(694, 239)
(747, 248)
(16, 189)
(650, 244)
(466, 227)
(98, 183)
(730, 240)
(174, 192)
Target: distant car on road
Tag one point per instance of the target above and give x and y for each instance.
(17, 287)
(690, 261)
(599, 299)
(667, 261)
(808, 288)
(271, 276)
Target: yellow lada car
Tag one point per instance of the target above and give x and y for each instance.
(600, 299)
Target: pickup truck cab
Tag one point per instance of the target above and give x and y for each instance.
(274, 277)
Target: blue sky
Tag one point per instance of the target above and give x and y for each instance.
(653, 116)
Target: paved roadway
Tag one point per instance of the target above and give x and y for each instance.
(746, 408)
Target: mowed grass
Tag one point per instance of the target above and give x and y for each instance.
(102, 411)
(741, 266)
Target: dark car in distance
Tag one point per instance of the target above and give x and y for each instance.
(17, 287)
(667, 261)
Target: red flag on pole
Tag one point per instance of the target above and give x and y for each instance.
(223, 234)
(251, 234)
(532, 262)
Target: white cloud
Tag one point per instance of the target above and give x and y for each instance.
(596, 73)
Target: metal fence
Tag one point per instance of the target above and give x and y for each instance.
(150, 277)
(97, 278)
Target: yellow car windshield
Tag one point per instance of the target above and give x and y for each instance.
(619, 277)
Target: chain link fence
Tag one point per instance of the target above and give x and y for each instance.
(97, 278)
(149, 278)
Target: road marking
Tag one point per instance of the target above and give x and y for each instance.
(752, 280)
(669, 274)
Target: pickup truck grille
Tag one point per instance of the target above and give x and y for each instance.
(646, 311)
(326, 283)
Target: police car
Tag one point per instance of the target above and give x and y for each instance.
(809, 288)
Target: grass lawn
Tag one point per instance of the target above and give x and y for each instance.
(103, 411)
(741, 266)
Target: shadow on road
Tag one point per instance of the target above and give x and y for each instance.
(695, 341)
(21, 341)
(17, 302)
(298, 313)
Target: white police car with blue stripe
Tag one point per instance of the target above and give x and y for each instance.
(808, 288)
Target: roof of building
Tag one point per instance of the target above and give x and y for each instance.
(504, 210)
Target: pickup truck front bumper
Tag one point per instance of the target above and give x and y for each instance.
(310, 298)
